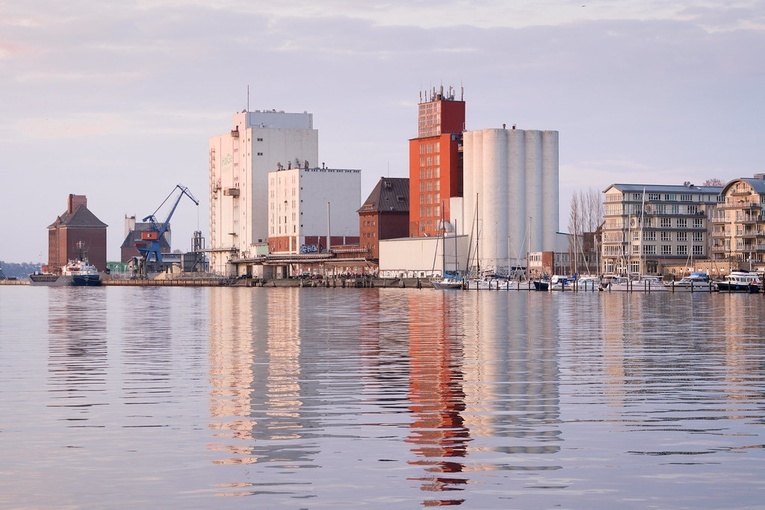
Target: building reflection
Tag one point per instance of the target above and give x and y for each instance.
(77, 350)
(437, 400)
(514, 396)
(257, 382)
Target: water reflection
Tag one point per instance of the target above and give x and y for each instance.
(77, 359)
(437, 400)
(380, 398)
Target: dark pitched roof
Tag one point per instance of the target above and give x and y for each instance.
(80, 218)
(391, 194)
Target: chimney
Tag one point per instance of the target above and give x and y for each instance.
(74, 202)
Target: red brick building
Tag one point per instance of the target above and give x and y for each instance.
(435, 162)
(384, 214)
(76, 234)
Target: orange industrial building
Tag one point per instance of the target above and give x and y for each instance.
(435, 161)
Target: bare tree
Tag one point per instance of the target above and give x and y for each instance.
(586, 215)
(714, 181)
(575, 231)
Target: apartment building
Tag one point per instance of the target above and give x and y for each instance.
(656, 229)
(738, 225)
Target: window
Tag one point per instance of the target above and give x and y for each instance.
(682, 223)
(649, 249)
(670, 197)
(682, 237)
(698, 236)
(649, 236)
(666, 249)
(666, 222)
(654, 196)
(666, 236)
(260, 139)
(698, 223)
(682, 250)
(698, 249)
(685, 197)
(692, 209)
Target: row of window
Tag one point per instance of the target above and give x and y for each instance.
(652, 249)
(430, 160)
(619, 237)
(430, 186)
(429, 148)
(640, 210)
(654, 222)
(430, 173)
(430, 211)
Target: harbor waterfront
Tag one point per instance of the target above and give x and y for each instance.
(235, 397)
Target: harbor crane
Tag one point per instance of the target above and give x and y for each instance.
(149, 247)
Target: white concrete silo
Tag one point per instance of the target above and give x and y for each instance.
(516, 198)
(533, 190)
(549, 190)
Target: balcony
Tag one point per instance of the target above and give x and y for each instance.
(741, 205)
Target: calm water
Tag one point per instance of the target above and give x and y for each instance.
(379, 398)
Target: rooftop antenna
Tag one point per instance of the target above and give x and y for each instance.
(248, 98)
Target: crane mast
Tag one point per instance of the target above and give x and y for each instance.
(149, 248)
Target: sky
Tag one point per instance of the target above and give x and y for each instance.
(117, 100)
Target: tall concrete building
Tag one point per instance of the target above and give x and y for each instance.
(435, 161)
(511, 193)
(240, 160)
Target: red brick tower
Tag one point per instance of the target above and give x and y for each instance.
(435, 161)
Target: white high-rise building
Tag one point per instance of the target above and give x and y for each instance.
(511, 191)
(240, 160)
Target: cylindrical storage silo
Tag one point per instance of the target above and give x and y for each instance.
(516, 197)
(534, 204)
(492, 207)
(550, 194)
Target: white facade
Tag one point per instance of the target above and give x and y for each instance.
(315, 202)
(239, 163)
(422, 257)
(512, 177)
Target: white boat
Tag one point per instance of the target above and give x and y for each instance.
(559, 283)
(448, 283)
(491, 282)
(695, 282)
(81, 273)
(641, 283)
(740, 281)
(589, 283)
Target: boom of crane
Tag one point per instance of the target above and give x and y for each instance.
(149, 248)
